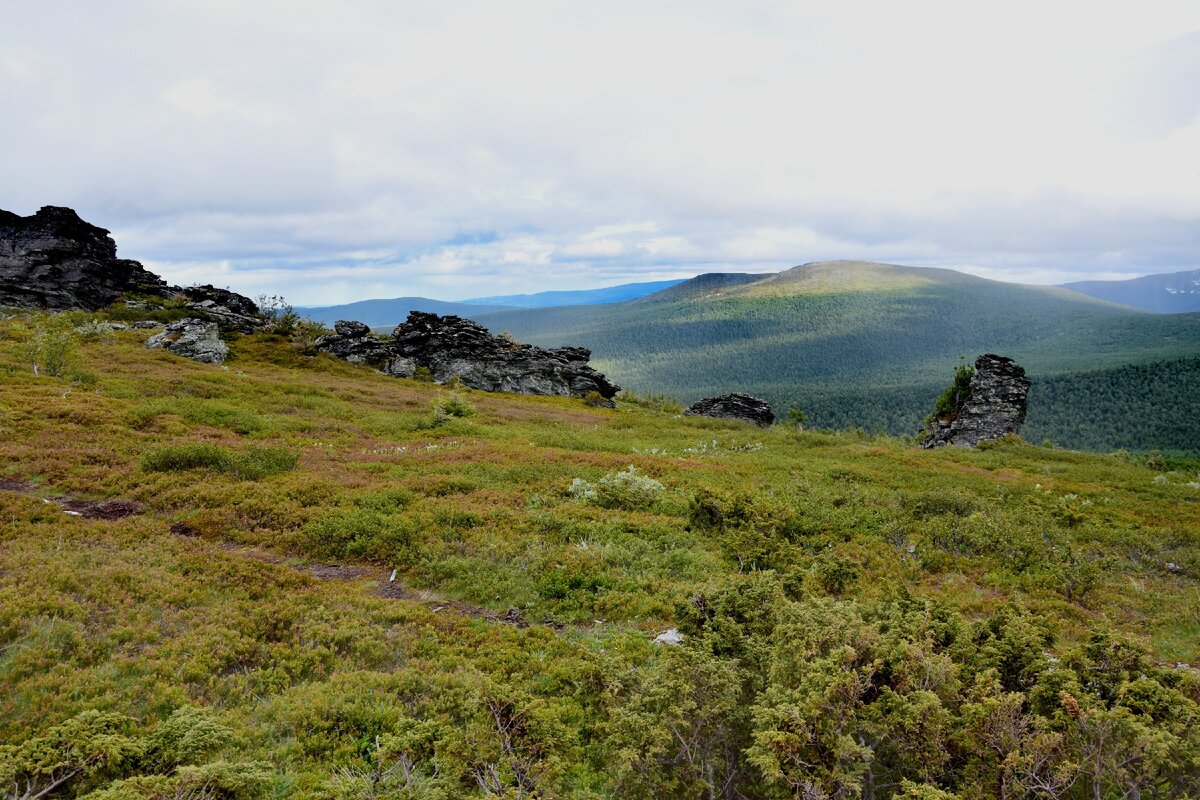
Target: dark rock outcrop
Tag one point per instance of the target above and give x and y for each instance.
(196, 339)
(734, 406)
(55, 260)
(452, 347)
(992, 408)
(230, 310)
(354, 342)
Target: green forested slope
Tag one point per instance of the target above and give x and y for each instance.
(869, 357)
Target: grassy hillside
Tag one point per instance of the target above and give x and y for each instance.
(868, 345)
(858, 616)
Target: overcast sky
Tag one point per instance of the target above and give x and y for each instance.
(334, 151)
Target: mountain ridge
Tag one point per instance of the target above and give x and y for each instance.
(1164, 293)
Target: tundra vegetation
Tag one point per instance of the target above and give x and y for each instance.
(346, 585)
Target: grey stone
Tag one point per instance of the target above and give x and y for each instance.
(146, 324)
(401, 367)
(734, 406)
(344, 327)
(994, 406)
(196, 339)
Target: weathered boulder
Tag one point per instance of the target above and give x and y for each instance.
(354, 342)
(734, 406)
(230, 310)
(53, 259)
(993, 407)
(196, 339)
(453, 347)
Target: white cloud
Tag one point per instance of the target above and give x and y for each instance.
(370, 148)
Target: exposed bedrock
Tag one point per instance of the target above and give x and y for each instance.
(55, 260)
(993, 407)
(453, 347)
(734, 406)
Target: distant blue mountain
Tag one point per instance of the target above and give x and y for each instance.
(388, 313)
(583, 297)
(1169, 293)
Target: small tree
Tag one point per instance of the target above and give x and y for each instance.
(796, 417)
(956, 394)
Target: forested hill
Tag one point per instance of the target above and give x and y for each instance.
(867, 345)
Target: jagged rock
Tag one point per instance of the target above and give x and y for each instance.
(734, 406)
(196, 339)
(53, 259)
(354, 342)
(147, 323)
(452, 347)
(993, 407)
(230, 310)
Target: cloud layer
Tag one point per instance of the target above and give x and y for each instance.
(337, 151)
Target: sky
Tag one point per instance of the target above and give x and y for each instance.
(335, 151)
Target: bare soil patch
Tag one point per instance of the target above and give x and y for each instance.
(88, 509)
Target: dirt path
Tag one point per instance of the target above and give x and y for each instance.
(88, 509)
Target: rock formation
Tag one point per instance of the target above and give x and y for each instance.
(993, 407)
(196, 339)
(55, 260)
(453, 347)
(734, 406)
(230, 310)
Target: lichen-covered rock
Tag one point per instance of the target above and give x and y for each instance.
(230, 310)
(53, 259)
(197, 339)
(734, 406)
(453, 347)
(993, 407)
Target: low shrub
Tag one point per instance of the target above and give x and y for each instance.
(623, 489)
(453, 406)
(254, 463)
(358, 533)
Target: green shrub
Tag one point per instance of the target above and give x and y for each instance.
(50, 341)
(453, 406)
(956, 393)
(358, 533)
(280, 317)
(835, 574)
(254, 463)
(652, 402)
(176, 458)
